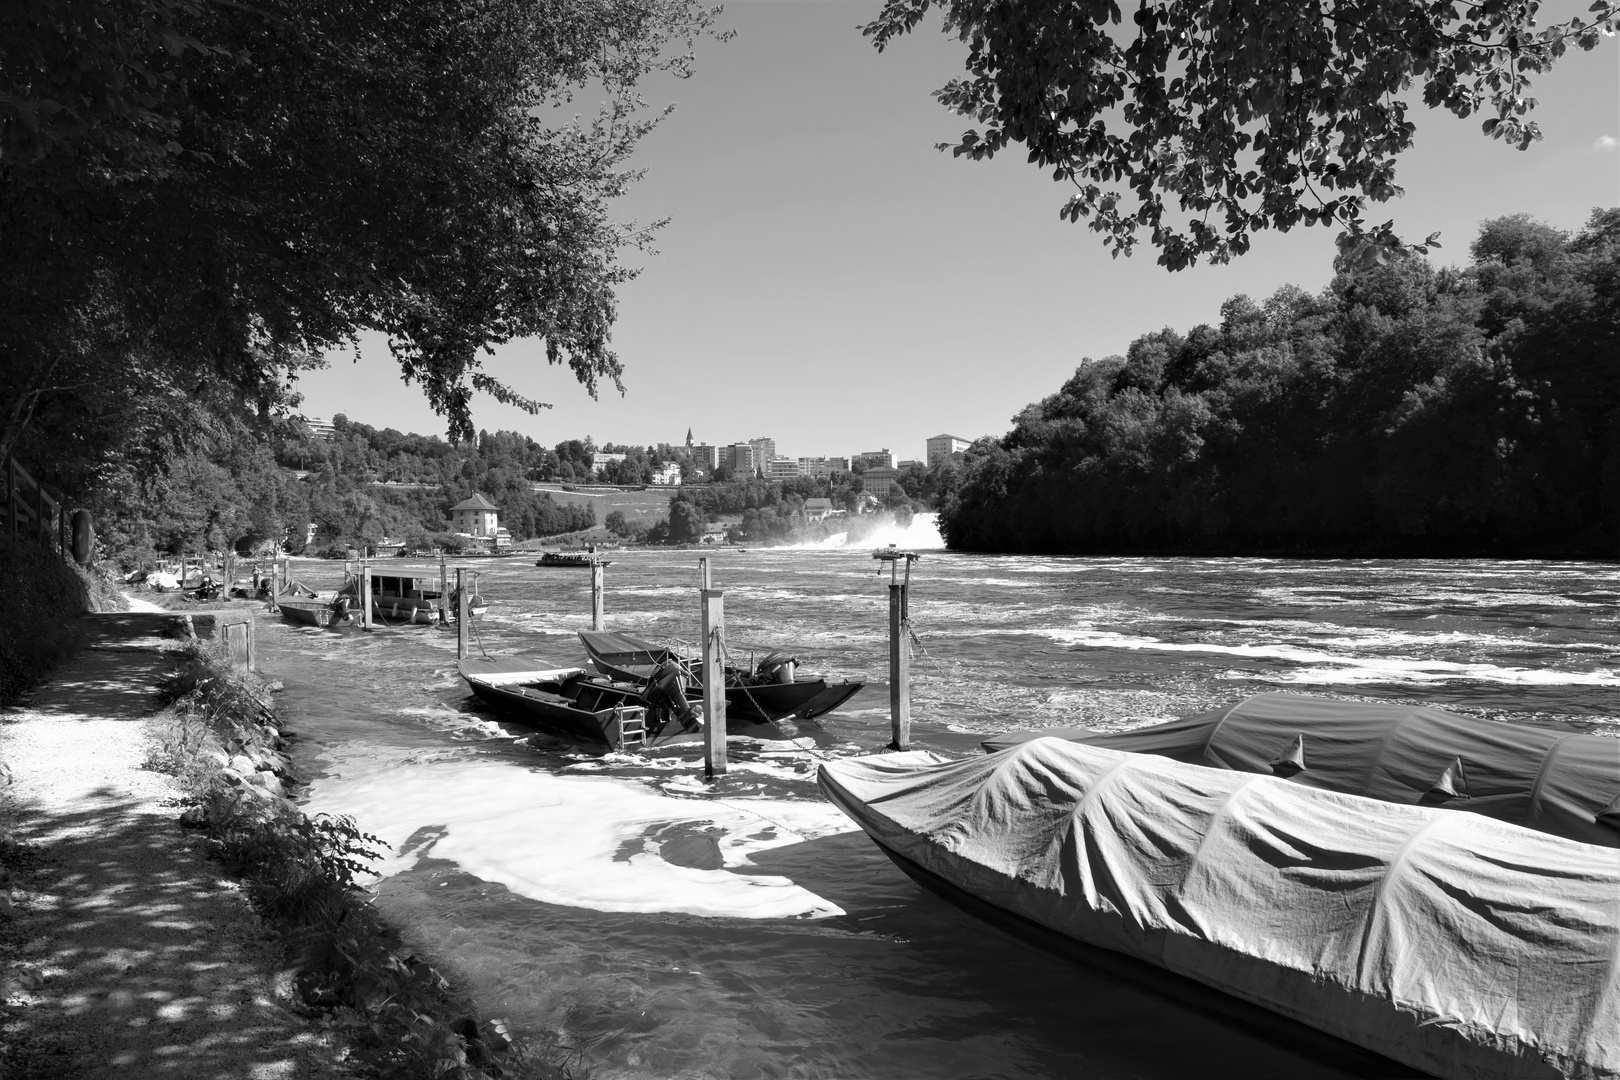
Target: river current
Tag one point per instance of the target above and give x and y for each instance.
(660, 926)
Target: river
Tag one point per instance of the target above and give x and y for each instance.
(661, 926)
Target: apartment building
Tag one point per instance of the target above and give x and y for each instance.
(941, 447)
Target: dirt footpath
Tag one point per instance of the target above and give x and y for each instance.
(123, 952)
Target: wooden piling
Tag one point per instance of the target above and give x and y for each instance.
(714, 682)
(899, 643)
(598, 615)
(365, 595)
(444, 593)
(899, 668)
(463, 620)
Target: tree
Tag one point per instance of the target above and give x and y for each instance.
(215, 194)
(1258, 115)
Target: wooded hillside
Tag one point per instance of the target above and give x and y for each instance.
(1404, 410)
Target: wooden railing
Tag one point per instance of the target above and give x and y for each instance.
(30, 509)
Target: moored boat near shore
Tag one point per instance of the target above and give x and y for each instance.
(1558, 780)
(771, 689)
(583, 705)
(1452, 943)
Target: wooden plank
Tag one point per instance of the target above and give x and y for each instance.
(714, 682)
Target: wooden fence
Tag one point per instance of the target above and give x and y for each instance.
(31, 510)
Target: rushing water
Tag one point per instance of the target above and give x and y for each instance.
(665, 927)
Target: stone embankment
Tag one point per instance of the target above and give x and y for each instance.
(124, 951)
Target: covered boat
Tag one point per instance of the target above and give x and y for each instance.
(582, 705)
(1560, 781)
(768, 690)
(1453, 943)
(398, 599)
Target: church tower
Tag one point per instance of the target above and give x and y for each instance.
(688, 438)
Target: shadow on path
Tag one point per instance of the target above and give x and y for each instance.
(128, 954)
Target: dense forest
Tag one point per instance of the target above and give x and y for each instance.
(1404, 410)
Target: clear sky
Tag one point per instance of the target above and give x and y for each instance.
(831, 281)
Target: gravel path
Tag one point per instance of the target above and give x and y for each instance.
(126, 953)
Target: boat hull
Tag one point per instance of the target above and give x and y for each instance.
(570, 703)
(305, 611)
(1457, 945)
(629, 659)
(804, 698)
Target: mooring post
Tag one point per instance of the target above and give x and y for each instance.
(598, 616)
(899, 644)
(462, 619)
(444, 593)
(704, 583)
(365, 595)
(714, 681)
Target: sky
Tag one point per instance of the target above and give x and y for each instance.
(830, 280)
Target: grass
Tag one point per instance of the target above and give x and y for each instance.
(218, 734)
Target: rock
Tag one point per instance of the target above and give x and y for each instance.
(194, 818)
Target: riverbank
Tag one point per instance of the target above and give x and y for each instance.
(126, 951)
(170, 911)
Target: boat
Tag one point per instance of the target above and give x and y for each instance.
(771, 689)
(314, 610)
(1451, 943)
(571, 558)
(583, 705)
(299, 603)
(398, 599)
(1556, 779)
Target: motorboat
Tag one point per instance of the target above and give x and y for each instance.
(768, 689)
(1556, 779)
(584, 705)
(1448, 942)
(571, 559)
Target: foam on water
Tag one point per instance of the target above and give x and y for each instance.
(921, 535)
(589, 842)
(1342, 669)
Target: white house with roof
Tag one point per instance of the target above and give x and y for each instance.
(475, 516)
(818, 509)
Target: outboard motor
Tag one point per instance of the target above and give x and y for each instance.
(777, 667)
(667, 689)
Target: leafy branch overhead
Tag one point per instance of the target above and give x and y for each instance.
(1206, 121)
(217, 192)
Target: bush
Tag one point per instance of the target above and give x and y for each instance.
(218, 734)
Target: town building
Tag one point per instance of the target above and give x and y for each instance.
(941, 447)
(669, 475)
(823, 468)
(907, 463)
(600, 461)
(705, 457)
(477, 517)
(880, 481)
(782, 468)
(740, 458)
(873, 459)
(320, 429)
(764, 451)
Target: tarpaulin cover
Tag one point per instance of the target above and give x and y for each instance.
(1563, 782)
(1454, 943)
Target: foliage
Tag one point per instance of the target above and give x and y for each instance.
(1255, 115)
(1403, 411)
(197, 199)
(303, 875)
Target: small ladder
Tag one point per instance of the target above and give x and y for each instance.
(631, 721)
